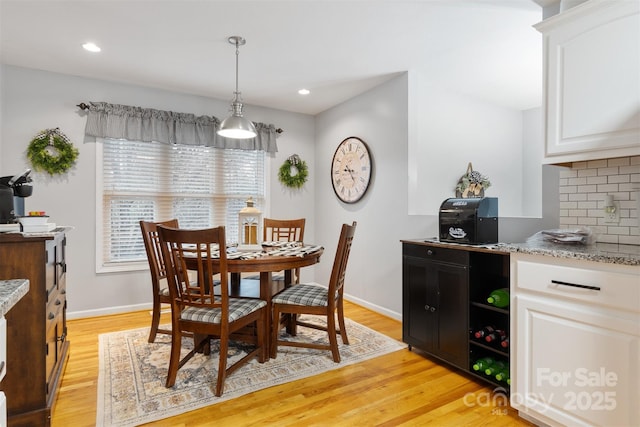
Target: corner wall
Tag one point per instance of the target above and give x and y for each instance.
(374, 275)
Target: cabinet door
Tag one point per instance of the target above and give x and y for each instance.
(576, 365)
(451, 308)
(51, 271)
(418, 327)
(435, 307)
(592, 59)
(61, 284)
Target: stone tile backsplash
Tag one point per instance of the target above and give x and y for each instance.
(583, 191)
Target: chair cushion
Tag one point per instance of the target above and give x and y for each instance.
(238, 307)
(310, 294)
(164, 292)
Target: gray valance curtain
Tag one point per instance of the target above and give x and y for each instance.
(146, 124)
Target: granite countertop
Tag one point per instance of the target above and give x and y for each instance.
(10, 293)
(599, 252)
(611, 253)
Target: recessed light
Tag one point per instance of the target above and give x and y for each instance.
(304, 92)
(91, 47)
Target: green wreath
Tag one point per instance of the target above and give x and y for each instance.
(52, 151)
(297, 180)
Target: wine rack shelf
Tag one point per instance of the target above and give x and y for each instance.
(488, 272)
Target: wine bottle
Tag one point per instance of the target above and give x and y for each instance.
(484, 332)
(496, 335)
(503, 375)
(497, 366)
(482, 364)
(505, 342)
(499, 297)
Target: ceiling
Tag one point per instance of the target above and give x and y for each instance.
(335, 48)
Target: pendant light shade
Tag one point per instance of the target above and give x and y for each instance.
(236, 126)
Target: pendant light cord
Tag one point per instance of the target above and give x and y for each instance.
(237, 59)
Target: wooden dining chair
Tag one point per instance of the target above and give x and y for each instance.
(281, 230)
(195, 308)
(158, 271)
(284, 230)
(313, 298)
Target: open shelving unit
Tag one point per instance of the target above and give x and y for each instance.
(487, 272)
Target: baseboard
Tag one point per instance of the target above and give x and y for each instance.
(108, 310)
(373, 307)
(148, 306)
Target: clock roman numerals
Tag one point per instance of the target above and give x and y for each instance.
(351, 170)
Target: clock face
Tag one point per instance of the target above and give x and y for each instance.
(351, 170)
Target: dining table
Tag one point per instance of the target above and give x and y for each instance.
(272, 257)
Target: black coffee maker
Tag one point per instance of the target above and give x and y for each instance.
(13, 190)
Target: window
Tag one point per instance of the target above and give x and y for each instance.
(201, 186)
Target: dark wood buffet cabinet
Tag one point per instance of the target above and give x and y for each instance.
(444, 302)
(37, 345)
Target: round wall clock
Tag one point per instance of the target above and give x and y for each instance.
(351, 169)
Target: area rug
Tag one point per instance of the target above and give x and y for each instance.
(133, 372)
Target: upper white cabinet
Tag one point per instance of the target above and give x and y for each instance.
(592, 81)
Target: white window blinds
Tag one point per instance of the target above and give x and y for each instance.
(201, 186)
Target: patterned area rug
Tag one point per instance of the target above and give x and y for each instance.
(132, 371)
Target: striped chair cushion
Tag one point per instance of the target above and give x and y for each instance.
(238, 308)
(310, 294)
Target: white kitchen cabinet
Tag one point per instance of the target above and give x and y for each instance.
(3, 347)
(3, 369)
(3, 409)
(592, 81)
(576, 355)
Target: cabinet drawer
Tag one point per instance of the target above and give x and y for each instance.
(55, 302)
(604, 287)
(437, 253)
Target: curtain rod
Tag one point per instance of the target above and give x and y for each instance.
(84, 106)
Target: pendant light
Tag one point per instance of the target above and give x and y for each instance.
(235, 126)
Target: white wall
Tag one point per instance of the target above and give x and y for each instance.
(374, 275)
(35, 100)
(493, 138)
(533, 148)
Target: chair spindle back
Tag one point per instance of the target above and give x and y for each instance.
(283, 230)
(195, 250)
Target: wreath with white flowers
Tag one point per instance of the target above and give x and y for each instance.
(52, 151)
(297, 180)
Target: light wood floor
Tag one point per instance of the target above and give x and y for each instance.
(401, 388)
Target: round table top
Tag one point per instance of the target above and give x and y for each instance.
(273, 262)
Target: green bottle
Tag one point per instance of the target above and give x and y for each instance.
(499, 297)
(496, 367)
(482, 364)
(503, 375)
